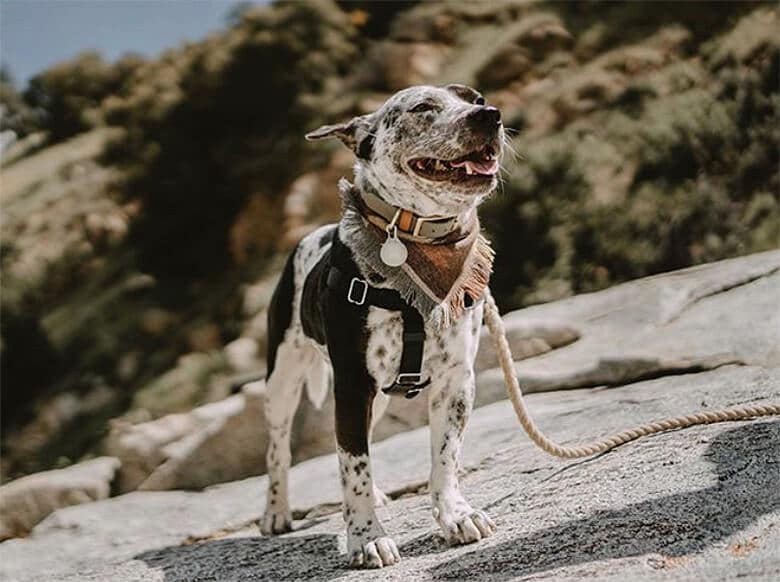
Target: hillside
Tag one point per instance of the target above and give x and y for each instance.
(141, 242)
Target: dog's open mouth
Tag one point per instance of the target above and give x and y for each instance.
(477, 165)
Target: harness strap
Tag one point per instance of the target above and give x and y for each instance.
(409, 382)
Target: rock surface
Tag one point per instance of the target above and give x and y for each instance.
(27, 501)
(694, 319)
(701, 503)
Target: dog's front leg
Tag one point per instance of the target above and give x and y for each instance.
(451, 399)
(367, 542)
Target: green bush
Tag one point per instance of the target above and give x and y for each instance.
(231, 125)
(682, 174)
(70, 93)
(16, 115)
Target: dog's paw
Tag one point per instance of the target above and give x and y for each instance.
(377, 553)
(276, 522)
(471, 528)
(380, 499)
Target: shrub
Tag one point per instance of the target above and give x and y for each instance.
(231, 126)
(70, 93)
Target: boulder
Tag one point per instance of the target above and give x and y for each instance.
(527, 338)
(390, 66)
(525, 46)
(27, 501)
(242, 354)
(694, 319)
(188, 450)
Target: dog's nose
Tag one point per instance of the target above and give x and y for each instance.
(485, 118)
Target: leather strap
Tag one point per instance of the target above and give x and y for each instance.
(419, 228)
(409, 381)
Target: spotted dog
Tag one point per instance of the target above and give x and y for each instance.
(425, 160)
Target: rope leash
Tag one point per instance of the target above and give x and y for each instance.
(496, 327)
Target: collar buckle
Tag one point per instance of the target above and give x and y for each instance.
(421, 220)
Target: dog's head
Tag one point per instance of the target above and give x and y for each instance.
(431, 150)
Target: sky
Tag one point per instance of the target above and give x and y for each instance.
(35, 34)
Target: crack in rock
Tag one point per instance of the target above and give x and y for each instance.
(621, 371)
(675, 304)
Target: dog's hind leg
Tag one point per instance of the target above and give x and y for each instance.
(283, 392)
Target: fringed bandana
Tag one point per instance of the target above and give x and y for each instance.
(440, 279)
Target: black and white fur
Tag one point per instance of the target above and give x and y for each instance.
(318, 339)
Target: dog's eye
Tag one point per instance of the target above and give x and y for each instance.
(479, 101)
(422, 107)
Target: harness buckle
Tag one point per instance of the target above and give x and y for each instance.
(409, 378)
(351, 298)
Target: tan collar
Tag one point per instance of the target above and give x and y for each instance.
(410, 225)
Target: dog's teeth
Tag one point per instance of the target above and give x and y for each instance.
(469, 171)
(440, 166)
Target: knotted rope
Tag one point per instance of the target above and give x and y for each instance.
(496, 327)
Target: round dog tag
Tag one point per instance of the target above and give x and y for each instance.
(393, 252)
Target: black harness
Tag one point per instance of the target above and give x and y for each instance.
(345, 279)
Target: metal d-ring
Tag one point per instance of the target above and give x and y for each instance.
(392, 226)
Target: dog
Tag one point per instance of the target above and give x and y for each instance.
(347, 314)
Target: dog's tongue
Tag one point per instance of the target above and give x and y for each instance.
(487, 168)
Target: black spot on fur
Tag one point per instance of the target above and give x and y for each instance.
(376, 278)
(458, 419)
(391, 116)
(366, 148)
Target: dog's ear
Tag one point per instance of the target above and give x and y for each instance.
(356, 135)
(468, 94)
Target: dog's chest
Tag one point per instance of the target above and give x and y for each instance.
(450, 349)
